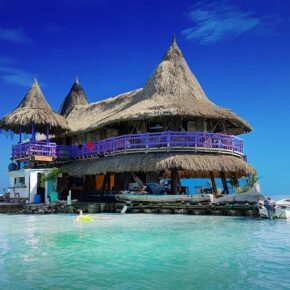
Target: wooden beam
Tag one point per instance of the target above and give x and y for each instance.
(204, 125)
(105, 182)
(215, 126)
(214, 189)
(47, 133)
(224, 181)
(235, 179)
(20, 136)
(33, 132)
(174, 180)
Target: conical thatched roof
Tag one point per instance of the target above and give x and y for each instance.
(188, 165)
(76, 96)
(172, 90)
(34, 109)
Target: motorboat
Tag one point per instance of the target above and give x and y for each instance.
(283, 202)
(251, 196)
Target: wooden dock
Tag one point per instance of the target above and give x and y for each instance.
(165, 208)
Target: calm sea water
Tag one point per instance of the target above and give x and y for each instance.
(144, 252)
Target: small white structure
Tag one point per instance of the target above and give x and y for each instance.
(25, 184)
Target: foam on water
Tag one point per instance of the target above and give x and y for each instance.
(144, 252)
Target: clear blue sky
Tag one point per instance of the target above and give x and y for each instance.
(239, 51)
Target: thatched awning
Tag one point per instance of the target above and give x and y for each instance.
(188, 165)
(75, 97)
(171, 91)
(34, 109)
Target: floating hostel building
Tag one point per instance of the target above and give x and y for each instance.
(169, 129)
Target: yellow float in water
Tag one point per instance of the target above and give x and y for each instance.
(84, 218)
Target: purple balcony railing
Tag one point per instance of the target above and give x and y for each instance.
(28, 149)
(199, 141)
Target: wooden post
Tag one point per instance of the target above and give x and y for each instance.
(204, 125)
(214, 189)
(174, 180)
(47, 133)
(235, 179)
(20, 136)
(224, 181)
(33, 132)
(126, 180)
(105, 182)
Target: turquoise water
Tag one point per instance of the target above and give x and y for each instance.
(144, 252)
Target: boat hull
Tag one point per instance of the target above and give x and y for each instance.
(252, 196)
(150, 198)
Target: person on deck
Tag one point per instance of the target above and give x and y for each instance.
(270, 207)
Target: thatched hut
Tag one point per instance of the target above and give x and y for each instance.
(32, 111)
(167, 129)
(172, 96)
(172, 100)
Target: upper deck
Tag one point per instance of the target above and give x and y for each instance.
(147, 142)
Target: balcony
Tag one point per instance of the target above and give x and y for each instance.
(155, 142)
(148, 142)
(32, 150)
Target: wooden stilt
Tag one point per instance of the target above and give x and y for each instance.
(214, 189)
(174, 180)
(105, 182)
(236, 180)
(126, 180)
(224, 182)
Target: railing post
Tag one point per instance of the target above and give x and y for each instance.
(147, 140)
(168, 139)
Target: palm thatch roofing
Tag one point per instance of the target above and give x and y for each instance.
(76, 96)
(34, 109)
(188, 165)
(171, 91)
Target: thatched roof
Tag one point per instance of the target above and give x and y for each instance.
(189, 165)
(76, 96)
(34, 109)
(172, 90)
(96, 115)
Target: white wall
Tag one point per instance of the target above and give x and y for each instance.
(33, 185)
